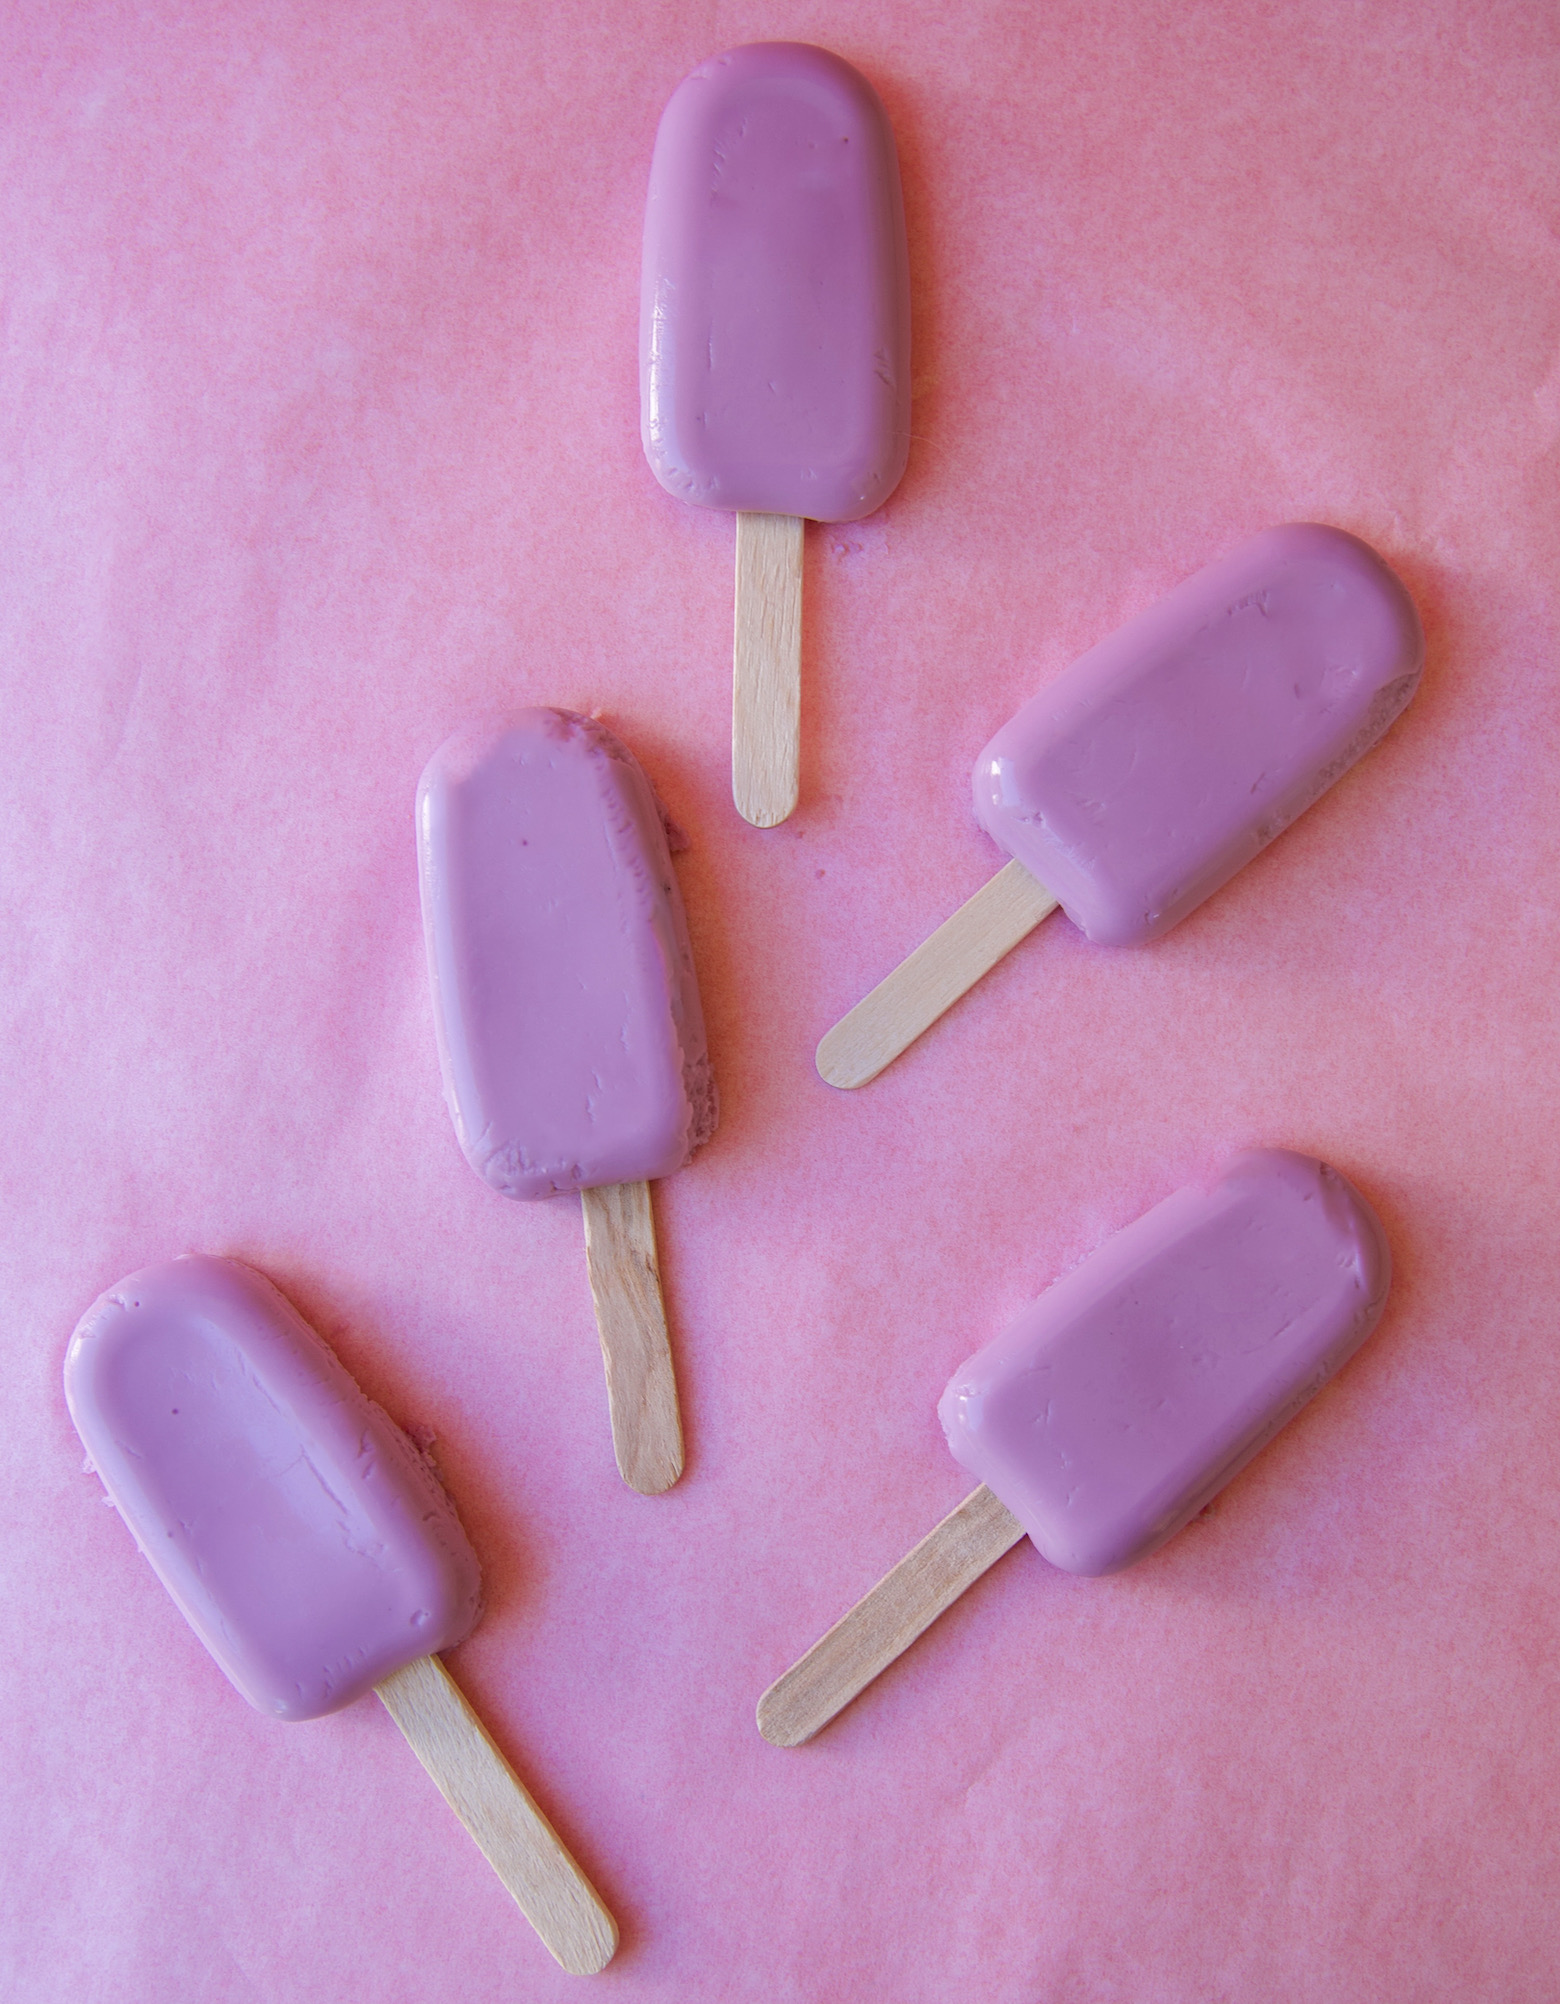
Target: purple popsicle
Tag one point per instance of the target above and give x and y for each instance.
(774, 343)
(1160, 762)
(306, 1542)
(570, 1034)
(1167, 757)
(295, 1526)
(775, 332)
(303, 1537)
(571, 1038)
(1125, 1398)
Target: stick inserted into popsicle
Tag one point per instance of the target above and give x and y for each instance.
(1161, 761)
(1111, 1411)
(307, 1543)
(774, 347)
(571, 1038)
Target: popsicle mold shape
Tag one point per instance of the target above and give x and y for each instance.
(1118, 1405)
(774, 347)
(774, 317)
(303, 1537)
(571, 1039)
(1111, 1411)
(307, 1543)
(1167, 757)
(1161, 761)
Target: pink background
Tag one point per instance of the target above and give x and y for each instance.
(318, 432)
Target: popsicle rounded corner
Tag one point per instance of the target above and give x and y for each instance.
(689, 371)
(111, 1371)
(990, 1373)
(1056, 842)
(1346, 1206)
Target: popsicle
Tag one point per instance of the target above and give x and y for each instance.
(774, 347)
(306, 1542)
(1161, 761)
(1123, 1400)
(570, 1034)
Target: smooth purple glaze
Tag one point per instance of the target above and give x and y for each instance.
(1126, 1397)
(1168, 756)
(774, 344)
(570, 1033)
(305, 1540)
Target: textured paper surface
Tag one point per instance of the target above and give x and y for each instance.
(318, 433)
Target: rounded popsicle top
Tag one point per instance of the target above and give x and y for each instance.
(303, 1537)
(775, 315)
(1119, 1404)
(571, 1037)
(1166, 757)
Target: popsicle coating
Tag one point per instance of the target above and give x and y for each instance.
(571, 1038)
(301, 1534)
(775, 318)
(1116, 1406)
(1165, 758)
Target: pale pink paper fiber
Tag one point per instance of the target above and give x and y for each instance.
(319, 435)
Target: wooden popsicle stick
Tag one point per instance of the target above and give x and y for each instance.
(766, 685)
(489, 1798)
(625, 1284)
(942, 968)
(881, 1627)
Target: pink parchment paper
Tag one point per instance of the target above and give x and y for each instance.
(318, 432)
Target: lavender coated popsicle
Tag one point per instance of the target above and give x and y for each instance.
(307, 1542)
(775, 328)
(1112, 1410)
(571, 1038)
(774, 347)
(1169, 755)
(300, 1533)
(1161, 761)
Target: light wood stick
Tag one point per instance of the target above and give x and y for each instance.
(882, 1626)
(625, 1284)
(942, 968)
(486, 1794)
(766, 688)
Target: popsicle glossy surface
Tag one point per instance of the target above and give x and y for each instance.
(1126, 1397)
(571, 1037)
(1164, 759)
(775, 323)
(303, 1537)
